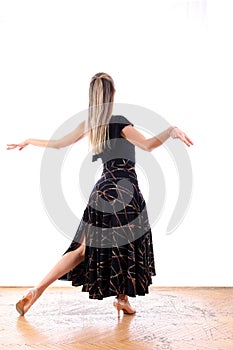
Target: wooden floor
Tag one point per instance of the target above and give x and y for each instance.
(166, 319)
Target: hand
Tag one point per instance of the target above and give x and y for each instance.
(176, 133)
(20, 145)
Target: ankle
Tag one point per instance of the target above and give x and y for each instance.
(39, 289)
(122, 297)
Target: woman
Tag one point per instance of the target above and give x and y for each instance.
(112, 251)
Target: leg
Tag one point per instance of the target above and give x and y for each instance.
(64, 265)
(121, 302)
(122, 296)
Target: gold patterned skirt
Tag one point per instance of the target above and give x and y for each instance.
(119, 256)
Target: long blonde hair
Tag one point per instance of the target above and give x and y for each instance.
(101, 96)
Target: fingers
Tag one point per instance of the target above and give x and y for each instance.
(14, 145)
(187, 143)
(183, 137)
(188, 139)
(11, 146)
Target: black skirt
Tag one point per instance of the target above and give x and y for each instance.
(119, 255)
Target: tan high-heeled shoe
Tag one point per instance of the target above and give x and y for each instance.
(124, 305)
(27, 301)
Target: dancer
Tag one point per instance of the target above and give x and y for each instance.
(112, 251)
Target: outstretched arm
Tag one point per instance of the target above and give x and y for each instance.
(138, 139)
(77, 134)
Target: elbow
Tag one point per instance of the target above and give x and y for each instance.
(57, 144)
(150, 146)
(147, 147)
(63, 143)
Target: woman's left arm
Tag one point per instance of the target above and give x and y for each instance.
(77, 134)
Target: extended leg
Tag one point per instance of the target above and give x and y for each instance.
(64, 265)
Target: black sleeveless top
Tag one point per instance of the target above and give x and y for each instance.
(119, 146)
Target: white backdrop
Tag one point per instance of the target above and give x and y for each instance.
(172, 57)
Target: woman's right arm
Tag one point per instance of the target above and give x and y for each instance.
(138, 139)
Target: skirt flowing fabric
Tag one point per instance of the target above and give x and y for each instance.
(119, 255)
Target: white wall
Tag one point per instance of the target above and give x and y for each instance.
(172, 57)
